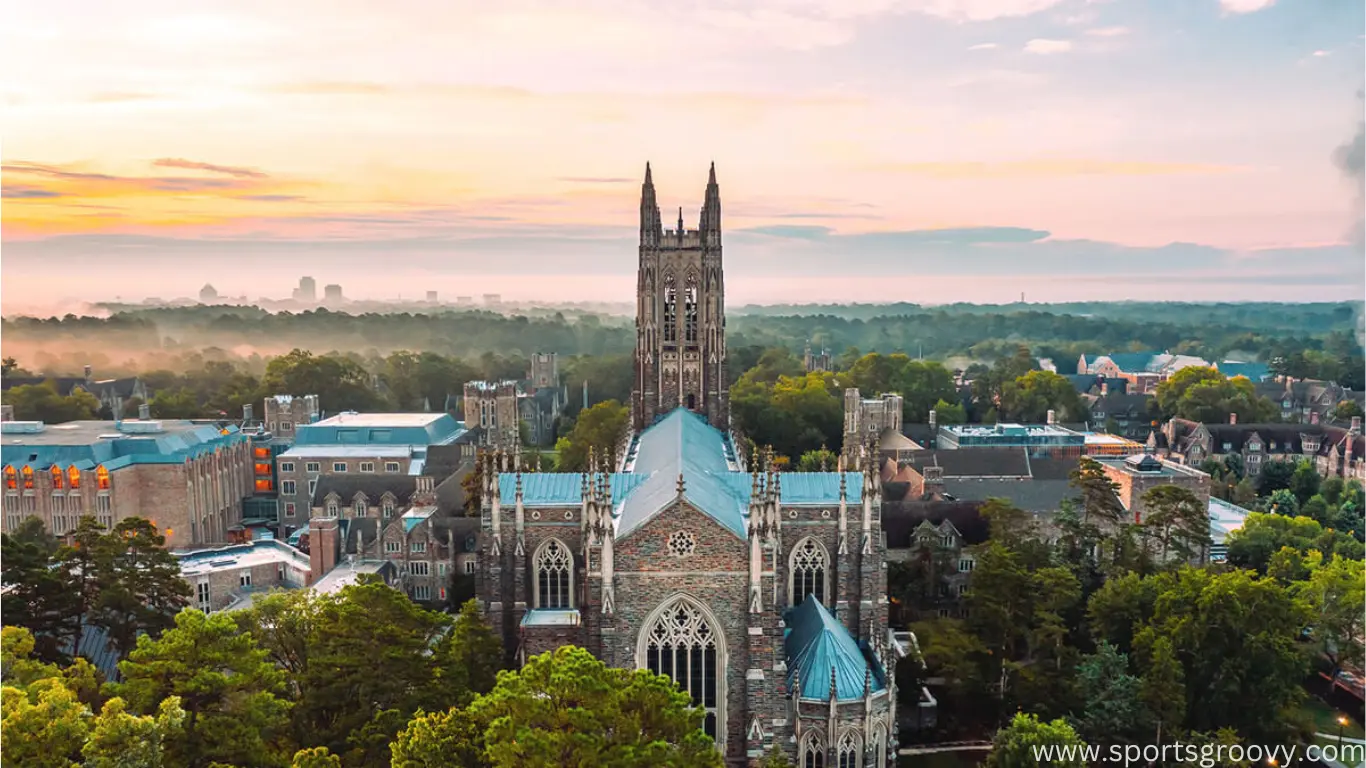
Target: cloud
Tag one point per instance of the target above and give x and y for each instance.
(983, 47)
(1045, 47)
(227, 170)
(21, 192)
(107, 97)
(1108, 31)
(73, 182)
(270, 198)
(1245, 6)
(906, 238)
(1350, 158)
(331, 88)
(1053, 168)
(596, 179)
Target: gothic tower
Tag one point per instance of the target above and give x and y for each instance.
(680, 355)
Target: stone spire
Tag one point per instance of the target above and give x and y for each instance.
(650, 227)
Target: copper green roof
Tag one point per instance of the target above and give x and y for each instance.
(816, 644)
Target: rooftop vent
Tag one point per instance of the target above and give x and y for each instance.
(139, 427)
(21, 427)
(1144, 462)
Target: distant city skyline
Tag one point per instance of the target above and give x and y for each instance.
(872, 150)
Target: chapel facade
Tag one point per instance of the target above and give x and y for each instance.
(761, 593)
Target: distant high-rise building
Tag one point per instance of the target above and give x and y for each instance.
(332, 293)
(493, 299)
(208, 294)
(464, 301)
(307, 290)
(431, 297)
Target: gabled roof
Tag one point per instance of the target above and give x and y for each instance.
(1130, 362)
(88, 444)
(817, 643)
(374, 486)
(681, 443)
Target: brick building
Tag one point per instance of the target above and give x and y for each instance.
(1334, 450)
(187, 477)
(226, 578)
(873, 424)
(1136, 475)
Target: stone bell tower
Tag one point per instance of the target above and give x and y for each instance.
(680, 355)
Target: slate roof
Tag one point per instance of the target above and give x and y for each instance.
(1029, 495)
(1115, 404)
(900, 519)
(1289, 438)
(1090, 382)
(374, 486)
(681, 443)
(817, 643)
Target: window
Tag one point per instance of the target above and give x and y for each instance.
(73, 478)
(57, 477)
(681, 544)
(288, 488)
(312, 487)
(27, 474)
(943, 613)
(880, 745)
(388, 509)
(966, 565)
(960, 589)
(690, 311)
(419, 546)
(30, 504)
(809, 565)
(391, 467)
(554, 575)
(420, 568)
(290, 509)
(442, 593)
(245, 579)
(286, 426)
(681, 643)
(469, 566)
(367, 466)
(359, 507)
(332, 508)
(203, 593)
(338, 466)
(392, 546)
(286, 466)
(670, 310)
(422, 592)
(11, 479)
(849, 750)
(312, 466)
(12, 516)
(813, 752)
(441, 568)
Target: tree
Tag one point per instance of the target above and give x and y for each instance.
(469, 656)
(1274, 476)
(121, 740)
(1175, 518)
(1347, 410)
(1284, 502)
(141, 589)
(41, 402)
(1114, 711)
(42, 725)
(564, 708)
(1018, 744)
(339, 382)
(1163, 691)
(1099, 504)
(1304, 483)
(39, 598)
(1335, 591)
(317, 757)
(820, 460)
(1030, 397)
(599, 428)
(226, 684)
(1204, 394)
(776, 758)
(1263, 535)
(949, 413)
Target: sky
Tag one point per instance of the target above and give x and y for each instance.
(867, 150)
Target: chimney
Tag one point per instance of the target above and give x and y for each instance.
(1052, 417)
(1104, 387)
(246, 412)
(1233, 418)
(324, 543)
(144, 411)
(934, 483)
(934, 420)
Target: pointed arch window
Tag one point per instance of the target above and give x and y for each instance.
(681, 643)
(358, 506)
(27, 474)
(880, 745)
(57, 478)
(808, 571)
(670, 310)
(813, 751)
(690, 310)
(73, 478)
(849, 750)
(554, 576)
(11, 478)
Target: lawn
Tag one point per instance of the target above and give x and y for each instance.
(970, 759)
(1326, 719)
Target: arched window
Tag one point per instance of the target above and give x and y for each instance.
(102, 478)
(11, 478)
(670, 310)
(808, 571)
(57, 477)
(850, 750)
(690, 311)
(73, 477)
(681, 643)
(27, 474)
(332, 508)
(813, 751)
(554, 576)
(359, 506)
(880, 745)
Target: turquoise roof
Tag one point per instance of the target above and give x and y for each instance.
(681, 443)
(816, 643)
(1254, 371)
(369, 429)
(88, 444)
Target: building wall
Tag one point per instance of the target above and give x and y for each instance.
(545, 370)
(282, 418)
(1133, 485)
(296, 470)
(493, 406)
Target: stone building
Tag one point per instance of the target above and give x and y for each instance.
(762, 594)
(493, 407)
(187, 477)
(1136, 475)
(545, 371)
(284, 414)
(114, 394)
(873, 425)
(1333, 449)
(680, 354)
(820, 361)
(1306, 401)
